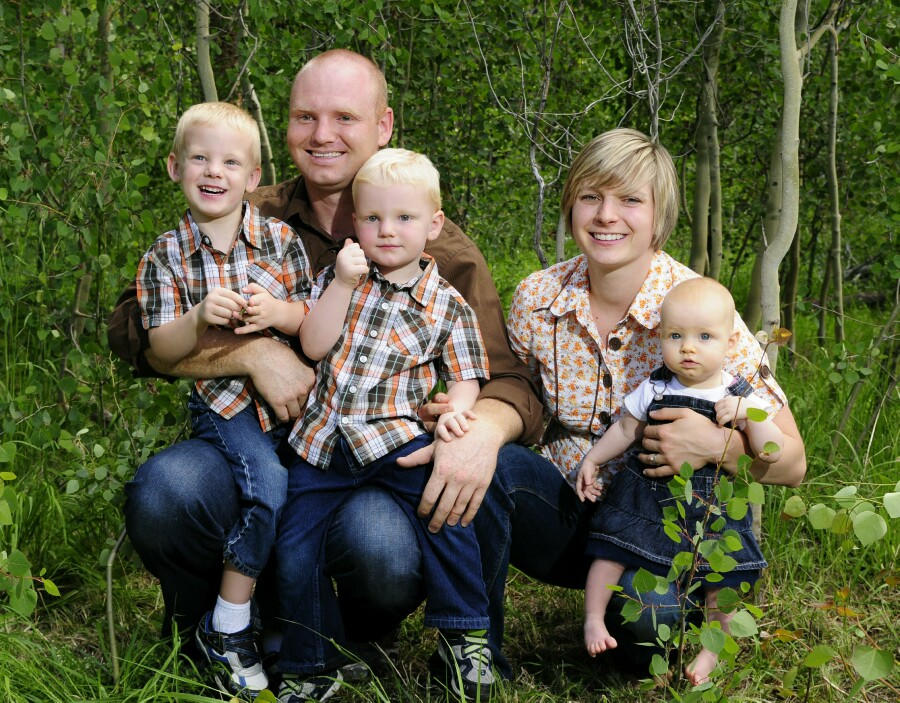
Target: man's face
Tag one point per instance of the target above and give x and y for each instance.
(334, 125)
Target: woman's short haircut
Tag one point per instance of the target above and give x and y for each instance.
(401, 167)
(626, 158)
(218, 115)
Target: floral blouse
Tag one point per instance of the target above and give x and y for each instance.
(583, 376)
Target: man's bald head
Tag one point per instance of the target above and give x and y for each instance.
(344, 58)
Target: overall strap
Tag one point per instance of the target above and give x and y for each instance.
(740, 387)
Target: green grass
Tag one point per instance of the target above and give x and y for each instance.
(821, 588)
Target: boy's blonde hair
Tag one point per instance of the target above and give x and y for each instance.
(218, 114)
(401, 167)
(626, 158)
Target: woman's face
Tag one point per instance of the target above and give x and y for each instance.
(613, 227)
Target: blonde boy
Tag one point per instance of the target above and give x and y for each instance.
(384, 327)
(225, 265)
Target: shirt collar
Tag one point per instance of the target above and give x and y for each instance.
(192, 237)
(421, 288)
(643, 309)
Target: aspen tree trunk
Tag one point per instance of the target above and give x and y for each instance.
(788, 155)
(204, 65)
(706, 252)
(267, 162)
(837, 268)
(560, 238)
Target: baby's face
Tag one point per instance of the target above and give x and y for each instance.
(696, 337)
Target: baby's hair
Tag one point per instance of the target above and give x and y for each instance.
(626, 158)
(701, 290)
(216, 115)
(401, 167)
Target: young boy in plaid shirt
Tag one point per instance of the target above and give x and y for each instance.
(384, 326)
(226, 265)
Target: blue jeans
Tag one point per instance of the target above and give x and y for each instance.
(311, 618)
(182, 503)
(258, 474)
(532, 519)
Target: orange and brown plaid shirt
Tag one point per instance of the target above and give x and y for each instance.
(396, 342)
(181, 267)
(584, 377)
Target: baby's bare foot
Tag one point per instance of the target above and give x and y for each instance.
(596, 637)
(698, 671)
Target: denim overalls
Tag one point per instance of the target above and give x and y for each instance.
(627, 526)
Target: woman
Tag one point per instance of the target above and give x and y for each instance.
(587, 329)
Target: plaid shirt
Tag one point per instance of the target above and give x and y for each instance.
(396, 341)
(182, 267)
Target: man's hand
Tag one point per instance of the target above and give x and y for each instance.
(220, 306)
(685, 437)
(350, 264)
(282, 379)
(262, 311)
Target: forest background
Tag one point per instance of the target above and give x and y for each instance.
(781, 118)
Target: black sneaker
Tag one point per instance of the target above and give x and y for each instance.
(234, 658)
(463, 663)
(295, 688)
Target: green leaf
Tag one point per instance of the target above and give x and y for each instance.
(846, 497)
(818, 655)
(17, 564)
(869, 527)
(871, 663)
(721, 562)
(794, 506)
(7, 476)
(841, 524)
(736, 508)
(50, 587)
(5, 512)
(713, 638)
(72, 486)
(742, 624)
(756, 415)
(771, 448)
(7, 453)
(756, 494)
(892, 504)
(23, 601)
(644, 581)
(658, 665)
(821, 516)
(744, 461)
(663, 632)
(631, 611)
(726, 599)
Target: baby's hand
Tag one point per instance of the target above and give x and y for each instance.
(453, 424)
(261, 310)
(586, 485)
(734, 409)
(220, 306)
(350, 264)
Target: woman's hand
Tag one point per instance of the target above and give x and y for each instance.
(685, 437)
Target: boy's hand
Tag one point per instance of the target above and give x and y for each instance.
(350, 264)
(260, 311)
(220, 307)
(453, 424)
(586, 484)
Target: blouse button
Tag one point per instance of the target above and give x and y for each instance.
(615, 343)
(604, 417)
(607, 380)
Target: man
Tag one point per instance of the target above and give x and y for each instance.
(181, 502)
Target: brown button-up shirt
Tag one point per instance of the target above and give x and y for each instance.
(458, 261)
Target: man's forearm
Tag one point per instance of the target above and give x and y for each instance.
(217, 353)
(506, 423)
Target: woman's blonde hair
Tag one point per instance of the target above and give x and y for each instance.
(626, 158)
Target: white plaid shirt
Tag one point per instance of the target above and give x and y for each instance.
(397, 340)
(181, 267)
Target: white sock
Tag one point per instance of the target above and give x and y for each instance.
(230, 617)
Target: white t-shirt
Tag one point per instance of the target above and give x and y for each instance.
(638, 401)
